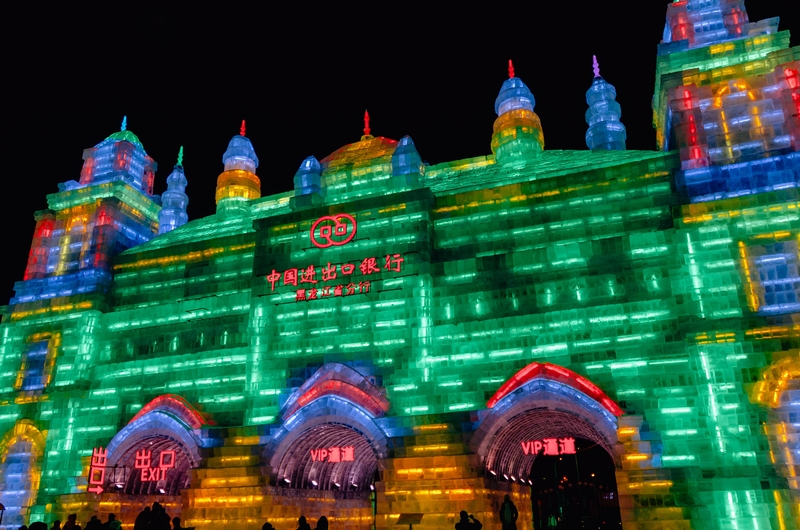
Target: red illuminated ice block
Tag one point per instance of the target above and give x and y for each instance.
(558, 373)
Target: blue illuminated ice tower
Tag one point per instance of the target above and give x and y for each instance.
(606, 132)
(174, 200)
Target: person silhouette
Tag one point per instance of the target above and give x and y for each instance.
(468, 522)
(94, 524)
(508, 514)
(72, 522)
(142, 521)
(302, 524)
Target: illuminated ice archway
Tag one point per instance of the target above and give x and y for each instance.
(21, 451)
(542, 401)
(155, 451)
(329, 439)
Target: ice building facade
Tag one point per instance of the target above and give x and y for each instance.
(391, 338)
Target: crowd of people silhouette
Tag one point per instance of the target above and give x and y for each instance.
(157, 518)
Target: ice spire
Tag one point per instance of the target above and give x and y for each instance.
(124, 125)
(367, 131)
(174, 200)
(606, 132)
(238, 184)
(518, 133)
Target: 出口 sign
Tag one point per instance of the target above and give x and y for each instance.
(149, 473)
(97, 470)
(143, 463)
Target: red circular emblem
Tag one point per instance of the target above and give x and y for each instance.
(333, 230)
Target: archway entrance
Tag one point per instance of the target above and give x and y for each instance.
(21, 451)
(18, 472)
(329, 457)
(147, 461)
(551, 432)
(326, 465)
(325, 457)
(156, 465)
(566, 463)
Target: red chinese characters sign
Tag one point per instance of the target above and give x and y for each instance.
(97, 470)
(549, 446)
(310, 277)
(329, 231)
(334, 455)
(149, 473)
(166, 461)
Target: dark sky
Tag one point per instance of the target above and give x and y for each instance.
(302, 78)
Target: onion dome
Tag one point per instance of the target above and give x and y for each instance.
(372, 165)
(518, 135)
(174, 200)
(238, 184)
(606, 132)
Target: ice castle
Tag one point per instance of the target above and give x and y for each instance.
(610, 337)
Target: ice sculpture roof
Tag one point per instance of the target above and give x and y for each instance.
(123, 136)
(443, 179)
(366, 152)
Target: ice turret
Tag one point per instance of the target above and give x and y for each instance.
(518, 133)
(606, 132)
(238, 184)
(697, 23)
(307, 179)
(406, 159)
(174, 200)
(120, 157)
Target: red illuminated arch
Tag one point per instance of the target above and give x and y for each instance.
(557, 373)
(177, 406)
(342, 381)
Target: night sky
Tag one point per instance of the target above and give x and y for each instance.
(302, 77)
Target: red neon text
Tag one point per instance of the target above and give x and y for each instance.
(341, 226)
(166, 461)
(313, 275)
(334, 455)
(97, 470)
(549, 446)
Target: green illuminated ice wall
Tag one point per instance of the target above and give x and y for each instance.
(429, 318)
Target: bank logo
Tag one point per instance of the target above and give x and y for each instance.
(333, 230)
